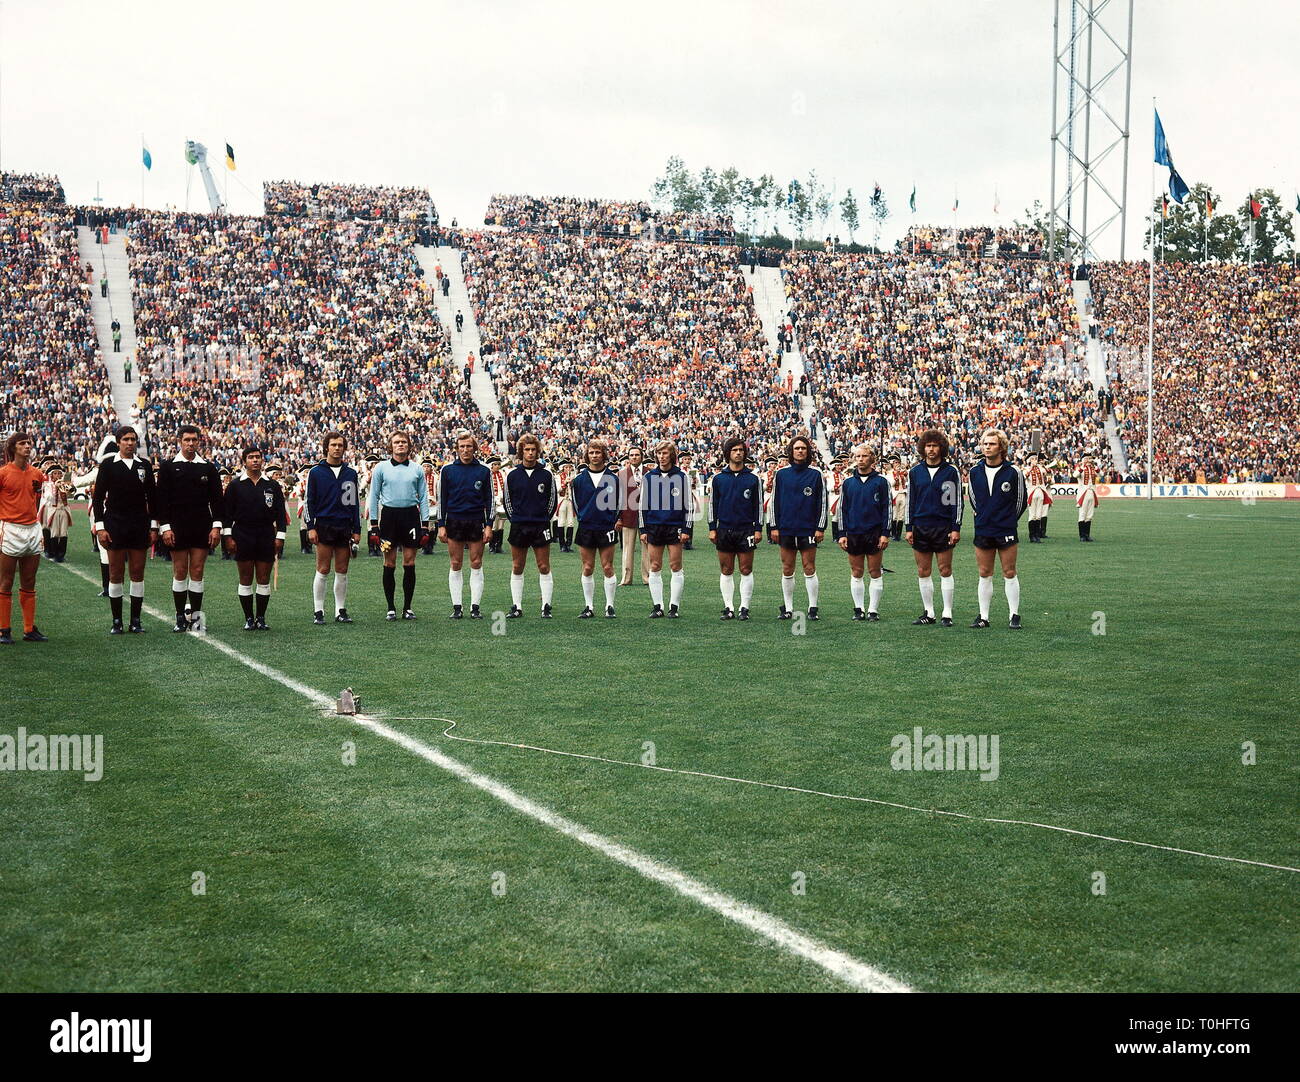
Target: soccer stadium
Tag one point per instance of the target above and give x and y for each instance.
(414, 581)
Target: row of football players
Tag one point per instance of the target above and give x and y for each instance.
(565, 522)
(252, 518)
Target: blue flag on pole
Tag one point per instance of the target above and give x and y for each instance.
(1178, 190)
(145, 156)
(1162, 146)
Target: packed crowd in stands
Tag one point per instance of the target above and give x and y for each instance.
(1227, 392)
(271, 330)
(1012, 242)
(343, 202)
(631, 341)
(895, 344)
(30, 188)
(52, 377)
(607, 218)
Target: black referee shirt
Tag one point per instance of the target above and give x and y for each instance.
(189, 493)
(124, 489)
(254, 507)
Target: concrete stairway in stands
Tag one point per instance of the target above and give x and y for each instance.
(772, 306)
(1096, 355)
(111, 259)
(467, 340)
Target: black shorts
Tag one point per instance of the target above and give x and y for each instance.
(596, 539)
(862, 544)
(799, 542)
(128, 533)
(191, 535)
(400, 525)
(465, 529)
(735, 541)
(333, 535)
(663, 535)
(254, 545)
(927, 540)
(529, 535)
(997, 541)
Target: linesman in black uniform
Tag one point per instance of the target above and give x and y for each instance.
(125, 523)
(255, 520)
(189, 508)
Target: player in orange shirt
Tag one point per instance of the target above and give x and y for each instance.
(20, 536)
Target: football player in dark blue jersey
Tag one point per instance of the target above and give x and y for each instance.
(666, 511)
(465, 521)
(595, 495)
(333, 524)
(934, 510)
(530, 498)
(862, 523)
(998, 497)
(735, 524)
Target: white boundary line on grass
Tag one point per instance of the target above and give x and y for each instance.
(839, 965)
(843, 796)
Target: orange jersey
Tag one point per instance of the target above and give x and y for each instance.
(19, 492)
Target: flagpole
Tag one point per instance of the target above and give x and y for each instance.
(1151, 335)
(1250, 205)
(955, 204)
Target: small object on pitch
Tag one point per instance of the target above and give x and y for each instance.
(348, 702)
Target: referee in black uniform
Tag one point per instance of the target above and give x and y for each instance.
(125, 524)
(189, 508)
(255, 523)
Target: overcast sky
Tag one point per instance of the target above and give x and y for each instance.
(590, 98)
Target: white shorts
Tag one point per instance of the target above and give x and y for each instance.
(19, 540)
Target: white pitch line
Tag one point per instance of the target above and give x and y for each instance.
(838, 964)
(451, 724)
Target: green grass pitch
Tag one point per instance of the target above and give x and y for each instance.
(380, 874)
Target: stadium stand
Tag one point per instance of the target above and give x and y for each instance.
(1015, 242)
(52, 379)
(1227, 393)
(341, 202)
(30, 188)
(633, 341)
(335, 317)
(610, 334)
(606, 218)
(895, 344)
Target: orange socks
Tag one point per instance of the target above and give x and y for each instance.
(6, 609)
(27, 602)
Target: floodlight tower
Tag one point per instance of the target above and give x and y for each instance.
(197, 154)
(1091, 57)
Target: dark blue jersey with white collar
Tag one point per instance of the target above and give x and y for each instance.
(529, 495)
(997, 507)
(865, 505)
(465, 492)
(800, 502)
(934, 503)
(735, 501)
(595, 499)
